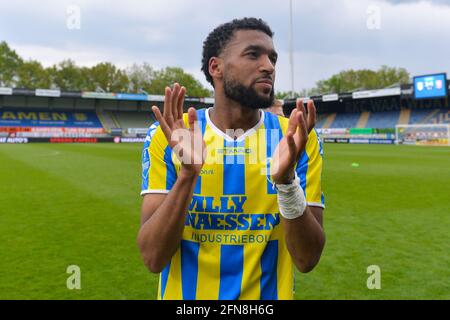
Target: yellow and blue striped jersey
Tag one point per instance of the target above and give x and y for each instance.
(233, 244)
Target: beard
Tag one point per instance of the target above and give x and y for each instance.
(246, 97)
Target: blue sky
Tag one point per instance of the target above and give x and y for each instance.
(329, 35)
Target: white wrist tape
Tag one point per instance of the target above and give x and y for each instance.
(291, 199)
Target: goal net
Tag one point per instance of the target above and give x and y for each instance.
(423, 134)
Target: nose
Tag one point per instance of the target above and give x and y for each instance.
(267, 65)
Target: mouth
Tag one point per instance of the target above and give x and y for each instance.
(267, 84)
(265, 81)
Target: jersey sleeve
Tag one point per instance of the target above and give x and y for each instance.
(158, 169)
(309, 170)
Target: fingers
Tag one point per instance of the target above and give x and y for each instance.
(292, 124)
(302, 129)
(311, 121)
(181, 103)
(192, 118)
(291, 143)
(300, 106)
(174, 100)
(162, 122)
(168, 115)
(173, 104)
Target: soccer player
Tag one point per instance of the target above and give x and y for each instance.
(232, 196)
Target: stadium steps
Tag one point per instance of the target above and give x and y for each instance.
(320, 120)
(103, 121)
(329, 120)
(114, 119)
(405, 115)
(363, 119)
(107, 120)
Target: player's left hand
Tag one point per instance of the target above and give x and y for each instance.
(290, 148)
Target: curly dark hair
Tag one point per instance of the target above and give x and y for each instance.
(220, 36)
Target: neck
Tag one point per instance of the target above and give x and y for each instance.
(229, 114)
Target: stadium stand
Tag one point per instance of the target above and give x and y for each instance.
(321, 119)
(345, 120)
(42, 122)
(128, 120)
(362, 121)
(52, 113)
(443, 116)
(435, 116)
(421, 116)
(48, 118)
(107, 121)
(380, 120)
(383, 120)
(329, 120)
(405, 115)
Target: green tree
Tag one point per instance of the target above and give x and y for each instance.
(108, 77)
(286, 95)
(170, 75)
(67, 76)
(32, 75)
(300, 94)
(10, 62)
(140, 77)
(389, 76)
(351, 80)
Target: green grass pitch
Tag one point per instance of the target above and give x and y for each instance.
(79, 205)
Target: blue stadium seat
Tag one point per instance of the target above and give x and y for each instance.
(418, 116)
(381, 120)
(433, 116)
(345, 120)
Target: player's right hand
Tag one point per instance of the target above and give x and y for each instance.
(186, 143)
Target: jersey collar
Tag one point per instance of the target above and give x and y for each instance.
(227, 137)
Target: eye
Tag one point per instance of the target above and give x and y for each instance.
(252, 54)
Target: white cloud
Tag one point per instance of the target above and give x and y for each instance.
(329, 35)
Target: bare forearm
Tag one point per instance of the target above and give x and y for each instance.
(305, 240)
(160, 236)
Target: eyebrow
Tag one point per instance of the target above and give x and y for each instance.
(261, 49)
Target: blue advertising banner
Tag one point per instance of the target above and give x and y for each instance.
(381, 141)
(131, 96)
(48, 118)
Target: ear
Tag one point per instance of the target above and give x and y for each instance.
(215, 67)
